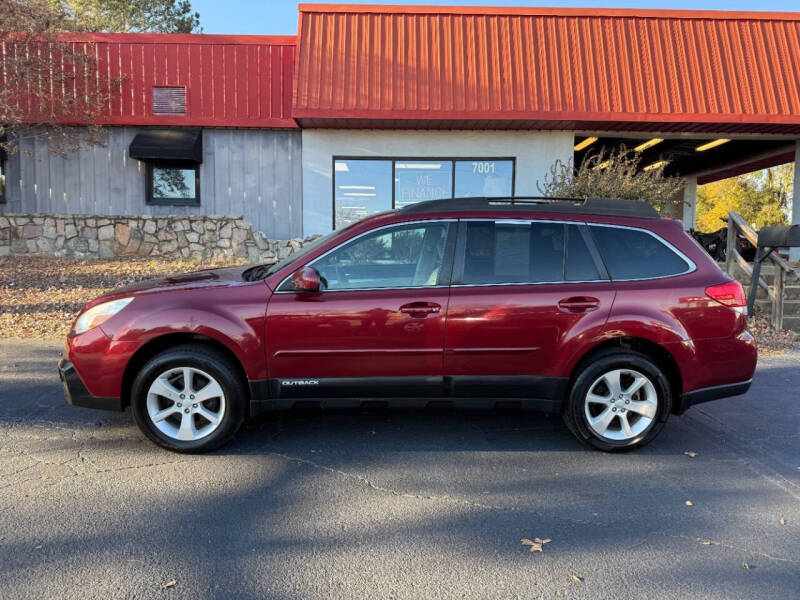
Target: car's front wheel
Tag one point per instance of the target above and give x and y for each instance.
(620, 399)
(188, 399)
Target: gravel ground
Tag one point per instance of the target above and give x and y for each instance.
(40, 296)
(397, 505)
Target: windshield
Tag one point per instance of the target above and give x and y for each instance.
(297, 255)
(262, 271)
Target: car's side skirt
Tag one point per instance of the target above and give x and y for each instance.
(467, 391)
(712, 393)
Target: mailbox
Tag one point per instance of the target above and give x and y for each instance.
(769, 239)
(779, 235)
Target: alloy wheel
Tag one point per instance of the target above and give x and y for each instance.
(621, 405)
(185, 404)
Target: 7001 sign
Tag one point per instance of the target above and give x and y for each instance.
(483, 167)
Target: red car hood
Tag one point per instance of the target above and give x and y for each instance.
(199, 279)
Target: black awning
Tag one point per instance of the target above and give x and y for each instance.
(168, 144)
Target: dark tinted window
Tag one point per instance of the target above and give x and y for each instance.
(513, 252)
(580, 266)
(632, 254)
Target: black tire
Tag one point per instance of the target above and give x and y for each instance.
(208, 360)
(588, 371)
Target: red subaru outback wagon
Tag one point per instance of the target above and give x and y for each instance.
(597, 309)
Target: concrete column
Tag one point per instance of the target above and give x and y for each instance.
(794, 253)
(690, 202)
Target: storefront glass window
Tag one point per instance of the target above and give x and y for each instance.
(365, 186)
(418, 180)
(483, 178)
(362, 188)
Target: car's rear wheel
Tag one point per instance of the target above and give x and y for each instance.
(620, 399)
(189, 399)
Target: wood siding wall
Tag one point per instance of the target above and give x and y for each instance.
(255, 173)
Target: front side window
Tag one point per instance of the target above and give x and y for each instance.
(173, 183)
(396, 257)
(502, 252)
(366, 186)
(636, 254)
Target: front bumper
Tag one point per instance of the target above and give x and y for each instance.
(713, 393)
(76, 393)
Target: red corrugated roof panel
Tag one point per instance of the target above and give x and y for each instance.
(229, 81)
(548, 68)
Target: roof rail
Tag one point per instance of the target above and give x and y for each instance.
(593, 206)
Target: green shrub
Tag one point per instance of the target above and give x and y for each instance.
(614, 174)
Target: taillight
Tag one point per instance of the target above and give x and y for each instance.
(730, 294)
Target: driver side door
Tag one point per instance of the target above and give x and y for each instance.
(376, 327)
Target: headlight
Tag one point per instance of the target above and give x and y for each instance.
(99, 314)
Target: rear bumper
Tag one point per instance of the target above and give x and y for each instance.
(713, 393)
(76, 393)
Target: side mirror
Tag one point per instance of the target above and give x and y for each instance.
(306, 279)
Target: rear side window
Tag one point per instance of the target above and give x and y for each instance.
(580, 265)
(503, 252)
(518, 252)
(635, 254)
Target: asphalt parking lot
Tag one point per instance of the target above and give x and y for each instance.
(397, 505)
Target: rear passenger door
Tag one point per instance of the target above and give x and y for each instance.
(522, 292)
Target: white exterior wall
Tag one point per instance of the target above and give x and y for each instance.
(535, 152)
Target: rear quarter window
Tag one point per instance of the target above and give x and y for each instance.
(636, 254)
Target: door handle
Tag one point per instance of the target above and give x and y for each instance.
(420, 309)
(578, 304)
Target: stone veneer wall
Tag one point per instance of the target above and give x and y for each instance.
(206, 237)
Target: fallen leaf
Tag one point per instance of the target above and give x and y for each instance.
(32, 308)
(536, 544)
(706, 542)
(745, 566)
(169, 584)
(689, 503)
(783, 521)
(690, 454)
(577, 579)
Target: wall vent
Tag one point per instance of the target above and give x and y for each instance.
(169, 100)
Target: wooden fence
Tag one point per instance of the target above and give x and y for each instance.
(775, 292)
